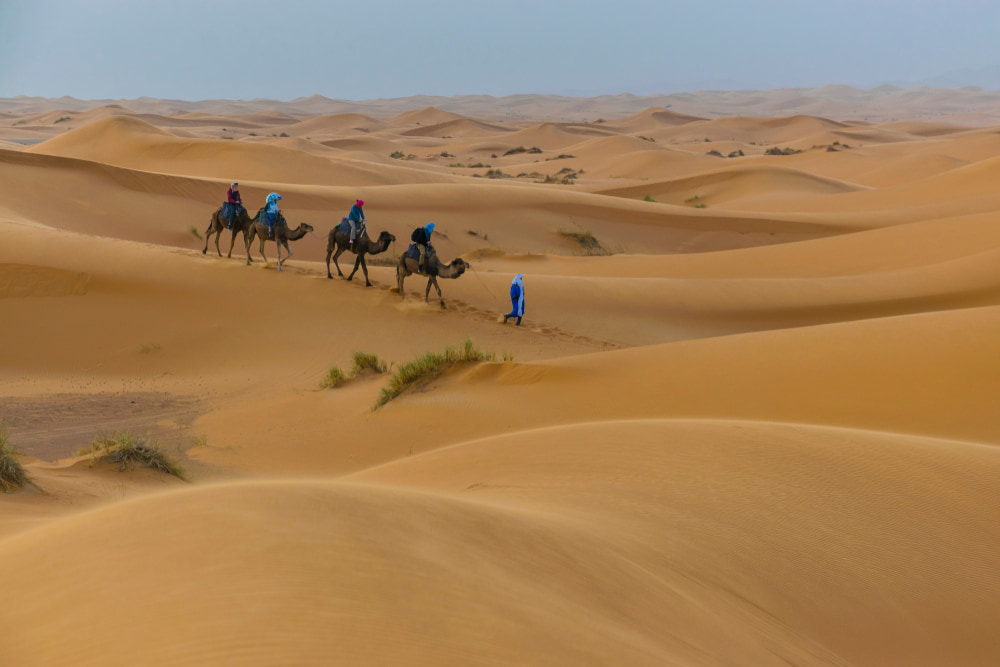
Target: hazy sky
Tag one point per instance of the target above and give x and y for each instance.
(198, 49)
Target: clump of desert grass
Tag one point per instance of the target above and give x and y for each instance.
(194, 230)
(365, 362)
(362, 363)
(588, 242)
(129, 450)
(429, 366)
(12, 473)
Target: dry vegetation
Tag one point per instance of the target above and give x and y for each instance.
(128, 450)
(425, 368)
(12, 474)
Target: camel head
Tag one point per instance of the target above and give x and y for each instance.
(386, 237)
(307, 227)
(460, 265)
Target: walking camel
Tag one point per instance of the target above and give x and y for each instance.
(339, 240)
(241, 223)
(282, 235)
(434, 269)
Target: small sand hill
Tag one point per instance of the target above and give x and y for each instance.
(758, 130)
(726, 185)
(555, 136)
(425, 116)
(650, 119)
(131, 143)
(460, 127)
(336, 124)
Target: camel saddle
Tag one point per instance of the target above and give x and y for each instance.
(345, 227)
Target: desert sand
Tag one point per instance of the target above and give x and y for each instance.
(747, 420)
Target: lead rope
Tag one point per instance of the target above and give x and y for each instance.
(476, 273)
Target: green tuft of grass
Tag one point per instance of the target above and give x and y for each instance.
(333, 378)
(425, 368)
(397, 155)
(12, 473)
(587, 241)
(648, 198)
(691, 200)
(62, 119)
(128, 450)
(194, 230)
(700, 205)
(364, 362)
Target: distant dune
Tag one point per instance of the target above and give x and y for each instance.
(747, 417)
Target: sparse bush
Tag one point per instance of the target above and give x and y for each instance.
(648, 198)
(494, 156)
(587, 241)
(252, 134)
(457, 164)
(515, 151)
(363, 362)
(62, 120)
(194, 230)
(738, 153)
(562, 156)
(535, 150)
(479, 165)
(445, 154)
(647, 138)
(12, 473)
(334, 378)
(714, 153)
(397, 155)
(283, 134)
(497, 173)
(831, 149)
(692, 199)
(599, 121)
(127, 450)
(700, 205)
(425, 368)
(781, 151)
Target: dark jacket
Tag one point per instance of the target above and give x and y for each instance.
(421, 236)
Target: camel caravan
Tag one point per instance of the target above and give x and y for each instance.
(350, 235)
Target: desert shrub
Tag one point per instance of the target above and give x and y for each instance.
(283, 134)
(781, 151)
(127, 450)
(252, 134)
(831, 149)
(514, 151)
(714, 153)
(12, 474)
(457, 164)
(647, 138)
(588, 242)
(561, 156)
(494, 156)
(535, 150)
(334, 378)
(692, 199)
(599, 121)
(700, 205)
(194, 230)
(445, 154)
(62, 120)
(397, 155)
(738, 153)
(648, 198)
(497, 173)
(478, 165)
(429, 366)
(363, 362)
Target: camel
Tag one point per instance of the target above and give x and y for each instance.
(282, 235)
(217, 224)
(363, 245)
(434, 269)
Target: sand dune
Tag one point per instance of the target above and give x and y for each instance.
(747, 422)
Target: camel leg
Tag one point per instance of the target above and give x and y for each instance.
(364, 267)
(427, 293)
(208, 233)
(232, 243)
(263, 240)
(329, 253)
(359, 261)
(399, 280)
(288, 253)
(253, 233)
(340, 251)
(438, 288)
(246, 241)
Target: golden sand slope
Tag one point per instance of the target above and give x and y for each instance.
(759, 431)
